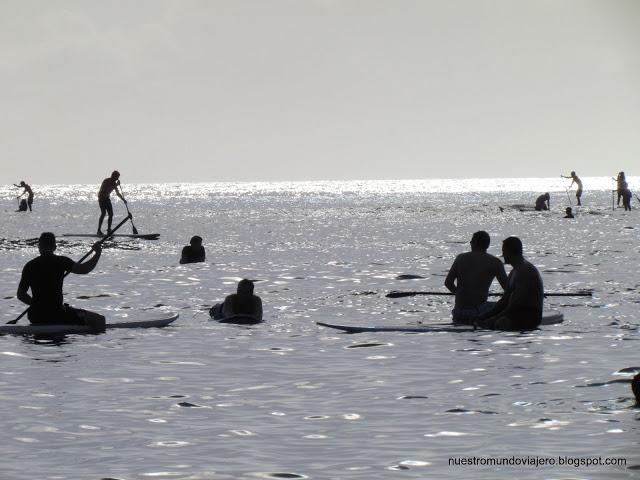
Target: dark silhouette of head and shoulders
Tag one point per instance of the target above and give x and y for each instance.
(194, 252)
(240, 307)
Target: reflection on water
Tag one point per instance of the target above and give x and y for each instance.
(287, 399)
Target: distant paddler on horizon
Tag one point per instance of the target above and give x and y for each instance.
(575, 179)
(27, 191)
(470, 277)
(104, 199)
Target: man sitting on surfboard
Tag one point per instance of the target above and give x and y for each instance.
(194, 252)
(470, 277)
(244, 303)
(520, 308)
(44, 275)
(542, 202)
(104, 199)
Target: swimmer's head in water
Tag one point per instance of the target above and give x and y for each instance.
(47, 242)
(480, 240)
(635, 387)
(196, 241)
(245, 287)
(115, 174)
(567, 210)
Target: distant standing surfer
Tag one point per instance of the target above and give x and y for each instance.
(622, 186)
(542, 202)
(575, 179)
(27, 191)
(104, 199)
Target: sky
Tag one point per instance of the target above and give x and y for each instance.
(267, 90)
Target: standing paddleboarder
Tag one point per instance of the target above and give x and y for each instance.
(575, 179)
(104, 199)
(27, 191)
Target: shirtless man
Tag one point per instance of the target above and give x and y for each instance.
(27, 191)
(194, 252)
(574, 179)
(621, 186)
(244, 302)
(542, 202)
(104, 201)
(520, 308)
(470, 277)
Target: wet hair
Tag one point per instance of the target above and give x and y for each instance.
(635, 387)
(245, 287)
(512, 245)
(195, 240)
(481, 239)
(47, 240)
(115, 174)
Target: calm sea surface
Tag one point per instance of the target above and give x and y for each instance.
(289, 399)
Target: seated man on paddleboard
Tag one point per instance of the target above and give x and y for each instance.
(194, 252)
(244, 302)
(104, 199)
(44, 275)
(520, 308)
(542, 202)
(470, 277)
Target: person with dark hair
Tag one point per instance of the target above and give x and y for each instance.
(470, 277)
(243, 303)
(520, 308)
(27, 191)
(635, 388)
(621, 186)
(44, 275)
(569, 213)
(575, 179)
(543, 202)
(194, 252)
(104, 199)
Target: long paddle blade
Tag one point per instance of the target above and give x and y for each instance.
(101, 241)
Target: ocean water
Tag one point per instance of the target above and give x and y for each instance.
(290, 399)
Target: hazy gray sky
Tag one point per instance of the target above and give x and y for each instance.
(317, 89)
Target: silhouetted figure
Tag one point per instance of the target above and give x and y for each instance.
(27, 191)
(622, 186)
(244, 302)
(569, 213)
(470, 277)
(542, 202)
(104, 199)
(520, 308)
(194, 252)
(44, 275)
(635, 387)
(574, 179)
(22, 206)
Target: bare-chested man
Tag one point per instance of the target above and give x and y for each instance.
(575, 179)
(104, 201)
(520, 308)
(470, 277)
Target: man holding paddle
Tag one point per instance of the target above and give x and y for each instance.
(470, 277)
(104, 199)
(44, 275)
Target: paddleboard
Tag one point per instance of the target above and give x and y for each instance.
(145, 236)
(62, 329)
(239, 320)
(550, 318)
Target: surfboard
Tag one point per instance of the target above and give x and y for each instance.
(550, 318)
(142, 236)
(239, 320)
(63, 329)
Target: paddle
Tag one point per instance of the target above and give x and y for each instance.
(133, 227)
(581, 293)
(101, 241)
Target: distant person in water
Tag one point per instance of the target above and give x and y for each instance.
(542, 202)
(27, 191)
(569, 213)
(44, 275)
(470, 277)
(194, 252)
(244, 302)
(621, 186)
(635, 387)
(520, 308)
(575, 179)
(104, 199)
